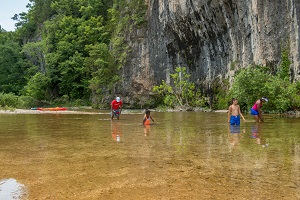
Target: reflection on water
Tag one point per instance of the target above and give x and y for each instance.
(257, 135)
(235, 135)
(116, 130)
(147, 129)
(185, 155)
(10, 189)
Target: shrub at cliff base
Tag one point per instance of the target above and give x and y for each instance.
(10, 101)
(255, 82)
(182, 93)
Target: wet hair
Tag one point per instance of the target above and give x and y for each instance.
(233, 99)
(147, 111)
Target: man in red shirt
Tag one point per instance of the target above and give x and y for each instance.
(116, 107)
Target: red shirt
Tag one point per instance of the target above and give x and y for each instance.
(115, 105)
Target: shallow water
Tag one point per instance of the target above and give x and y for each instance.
(183, 155)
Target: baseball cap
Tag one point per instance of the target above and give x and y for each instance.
(265, 98)
(118, 99)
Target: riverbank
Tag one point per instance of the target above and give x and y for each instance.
(29, 111)
(25, 111)
(75, 111)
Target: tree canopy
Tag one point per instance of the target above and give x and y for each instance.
(65, 48)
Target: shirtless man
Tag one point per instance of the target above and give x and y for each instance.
(234, 113)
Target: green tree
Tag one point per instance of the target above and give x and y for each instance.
(70, 45)
(37, 87)
(100, 65)
(254, 82)
(35, 52)
(249, 84)
(182, 93)
(66, 36)
(12, 64)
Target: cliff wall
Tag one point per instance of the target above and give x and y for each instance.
(212, 38)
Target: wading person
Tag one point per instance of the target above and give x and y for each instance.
(256, 109)
(147, 118)
(146, 121)
(234, 113)
(116, 107)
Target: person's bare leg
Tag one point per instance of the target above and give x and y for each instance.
(112, 115)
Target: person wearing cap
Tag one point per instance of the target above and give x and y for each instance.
(116, 107)
(256, 109)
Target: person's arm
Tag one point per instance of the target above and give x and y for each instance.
(241, 114)
(151, 118)
(145, 118)
(120, 107)
(229, 113)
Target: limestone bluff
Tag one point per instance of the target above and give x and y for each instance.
(212, 38)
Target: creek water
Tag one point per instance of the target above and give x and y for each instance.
(182, 155)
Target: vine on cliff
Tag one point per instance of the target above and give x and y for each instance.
(284, 67)
(124, 16)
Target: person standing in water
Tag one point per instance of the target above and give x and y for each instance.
(147, 117)
(116, 107)
(234, 113)
(256, 109)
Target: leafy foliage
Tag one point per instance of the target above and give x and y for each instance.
(183, 93)
(13, 66)
(124, 16)
(75, 48)
(221, 94)
(254, 82)
(72, 32)
(249, 84)
(284, 67)
(8, 100)
(37, 87)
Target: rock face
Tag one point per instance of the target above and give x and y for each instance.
(212, 39)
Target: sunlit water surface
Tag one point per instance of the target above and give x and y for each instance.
(183, 155)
